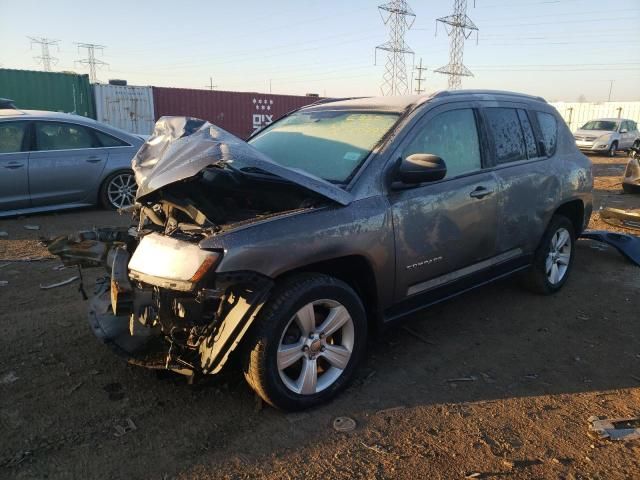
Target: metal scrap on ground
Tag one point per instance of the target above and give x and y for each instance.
(59, 284)
(344, 424)
(615, 428)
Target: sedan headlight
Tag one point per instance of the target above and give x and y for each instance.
(170, 263)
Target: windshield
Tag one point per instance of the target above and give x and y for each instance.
(328, 144)
(599, 125)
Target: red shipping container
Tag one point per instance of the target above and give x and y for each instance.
(240, 113)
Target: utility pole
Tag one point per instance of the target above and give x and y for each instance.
(610, 89)
(91, 60)
(45, 58)
(399, 16)
(420, 78)
(211, 86)
(459, 27)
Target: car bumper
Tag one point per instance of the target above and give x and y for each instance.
(592, 146)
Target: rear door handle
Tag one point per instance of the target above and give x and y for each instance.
(480, 192)
(13, 166)
(93, 159)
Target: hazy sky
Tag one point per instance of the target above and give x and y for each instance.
(560, 49)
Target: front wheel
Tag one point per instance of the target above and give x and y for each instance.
(306, 342)
(553, 258)
(612, 149)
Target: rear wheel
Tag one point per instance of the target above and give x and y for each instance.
(553, 258)
(306, 342)
(118, 190)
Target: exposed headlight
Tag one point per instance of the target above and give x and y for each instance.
(170, 263)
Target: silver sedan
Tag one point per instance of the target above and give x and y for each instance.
(51, 161)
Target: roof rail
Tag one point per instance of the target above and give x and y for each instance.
(444, 93)
(330, 100)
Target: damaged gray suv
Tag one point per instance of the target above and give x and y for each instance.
(332, 222)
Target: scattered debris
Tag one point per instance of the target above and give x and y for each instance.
(32, 227)
(8, 378)
(344, 424)
(376, 448)
(470, 378)
(419, 336)
(621, 218)
(628, 245)
(473, 475)
(59, 267)
(531, 376)
(76, 387)
(615, 428)
(509, 464)
(390, 410)
(582, 316)
(4, 283)
(123, 430)
(59, 284)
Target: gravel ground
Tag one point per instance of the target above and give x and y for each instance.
(498, 382)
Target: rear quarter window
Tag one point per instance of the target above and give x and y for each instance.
(549, 130)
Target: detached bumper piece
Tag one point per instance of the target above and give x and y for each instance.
(621, 218)
(627, 245)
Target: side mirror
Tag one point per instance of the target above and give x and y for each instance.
(624, 130)
(422, 167)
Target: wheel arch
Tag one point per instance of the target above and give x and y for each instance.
(357, 272)
(574, 210)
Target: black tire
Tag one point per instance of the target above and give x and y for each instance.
(536, 278)
(103, 195)
(612, 149)
(260, 364)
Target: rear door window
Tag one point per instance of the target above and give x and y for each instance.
(507, 134)
(63, 136)
(549, 131)
(12, 136)
(529, 137)
(453, 136)
(109, 141)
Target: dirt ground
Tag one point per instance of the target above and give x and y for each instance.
(498, 382)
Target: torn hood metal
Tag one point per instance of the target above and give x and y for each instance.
(181, 147)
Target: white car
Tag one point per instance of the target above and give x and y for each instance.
(607, 135)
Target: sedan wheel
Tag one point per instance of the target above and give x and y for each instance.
(121, 190)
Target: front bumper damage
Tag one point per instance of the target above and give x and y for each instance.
(187, 332)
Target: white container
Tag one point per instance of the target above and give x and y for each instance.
(126, 107)
(577, 114)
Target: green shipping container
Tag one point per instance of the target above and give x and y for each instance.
(53, 91)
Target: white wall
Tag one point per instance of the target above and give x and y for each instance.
(126, 107)
(577, 114)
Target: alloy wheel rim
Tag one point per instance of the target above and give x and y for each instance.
(559, 256)
(121, 190)
(315, 347)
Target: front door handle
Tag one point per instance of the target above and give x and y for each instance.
(480, 192)
(13, 166)
(93, 159)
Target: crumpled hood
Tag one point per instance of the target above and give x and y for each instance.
(593, 133)
(181, 147)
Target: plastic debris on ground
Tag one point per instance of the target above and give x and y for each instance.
(615, 428)
(59, 284)
(123, 430)
(344, 424)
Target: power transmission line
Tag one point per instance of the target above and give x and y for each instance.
(460, 28)
(91, 59)
(420, 78)
(45, 59)
(399, 16)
